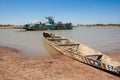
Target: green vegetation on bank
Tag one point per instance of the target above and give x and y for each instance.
(90, 25)
(81, 25)
(6, 25)
(10, 26)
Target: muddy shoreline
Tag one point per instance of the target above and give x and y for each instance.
(15, 66)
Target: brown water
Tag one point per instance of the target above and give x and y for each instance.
(31, 43)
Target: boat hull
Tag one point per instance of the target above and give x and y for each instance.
(47, 28)
(83, 58)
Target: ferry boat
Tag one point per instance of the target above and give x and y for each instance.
(50, 25)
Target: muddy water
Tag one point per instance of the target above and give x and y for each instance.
(31, 43)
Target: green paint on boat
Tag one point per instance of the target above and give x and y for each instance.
(50, 25)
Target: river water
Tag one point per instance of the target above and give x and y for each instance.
(106, 40)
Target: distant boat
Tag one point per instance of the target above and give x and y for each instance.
(50, 25)
(82, 53)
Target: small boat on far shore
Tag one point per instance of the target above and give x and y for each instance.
(82, 53)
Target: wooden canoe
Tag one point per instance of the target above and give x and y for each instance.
(82, 53)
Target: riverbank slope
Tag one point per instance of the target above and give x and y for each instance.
(15, 66)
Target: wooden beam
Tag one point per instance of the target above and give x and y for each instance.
(69, 44)
(56, 39)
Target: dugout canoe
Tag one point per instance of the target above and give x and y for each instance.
(82, 53)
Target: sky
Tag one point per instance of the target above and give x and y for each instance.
(74, 11)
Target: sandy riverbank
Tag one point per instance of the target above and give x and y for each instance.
(11, 27)
(15, 66)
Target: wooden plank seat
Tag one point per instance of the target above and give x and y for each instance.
(56, 39)
(55, 36)
(69, 44)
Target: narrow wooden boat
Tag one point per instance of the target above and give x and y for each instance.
(82, 53)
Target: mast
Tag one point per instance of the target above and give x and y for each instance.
(50, 19)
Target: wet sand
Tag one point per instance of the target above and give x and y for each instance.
(16, 66)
